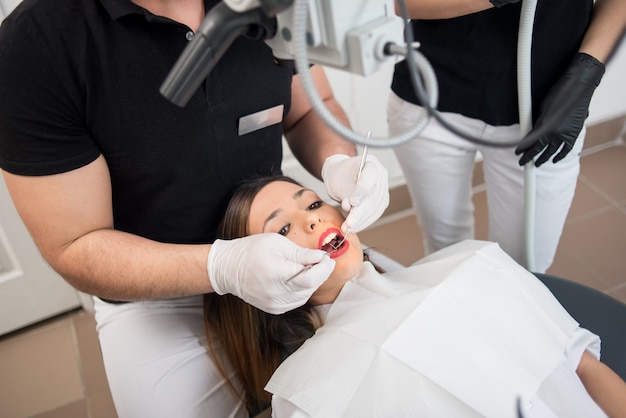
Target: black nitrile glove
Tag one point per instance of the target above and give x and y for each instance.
(576, 86)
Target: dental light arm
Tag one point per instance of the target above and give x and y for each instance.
(221, 26)
(347, 34)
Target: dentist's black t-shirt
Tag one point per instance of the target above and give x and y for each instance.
(81, 78)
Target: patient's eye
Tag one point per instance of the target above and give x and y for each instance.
(284, 230)
(315, 205)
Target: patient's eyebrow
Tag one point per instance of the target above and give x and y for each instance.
(297, 195)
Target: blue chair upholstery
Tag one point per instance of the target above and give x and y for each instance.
(599, 313)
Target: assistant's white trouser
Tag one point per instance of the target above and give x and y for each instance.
(157, 363)
(438, 167)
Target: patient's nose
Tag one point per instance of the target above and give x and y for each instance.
(312, 221)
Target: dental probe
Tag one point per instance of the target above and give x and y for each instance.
(300, 272)
(358, 176)
(305, 268)
(363, 157)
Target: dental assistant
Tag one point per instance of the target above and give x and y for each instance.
(122, 191)
(472, 46)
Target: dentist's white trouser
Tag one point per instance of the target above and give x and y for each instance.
(156, 361)
(438, 168)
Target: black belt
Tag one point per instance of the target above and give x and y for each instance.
(117, 302)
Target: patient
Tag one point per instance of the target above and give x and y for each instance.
(464, 332)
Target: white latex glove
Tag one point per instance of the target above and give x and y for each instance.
(256, 269)
(366, 200)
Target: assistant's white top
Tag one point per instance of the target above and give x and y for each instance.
(464, 332)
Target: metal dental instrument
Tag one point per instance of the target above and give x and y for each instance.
(304, 269)
(300, 272)
(363, 157)
(358, 176)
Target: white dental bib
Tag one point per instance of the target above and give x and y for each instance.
(464, 332)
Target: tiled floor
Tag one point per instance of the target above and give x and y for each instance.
(54, 369)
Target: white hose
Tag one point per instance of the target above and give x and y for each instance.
(300, 13)
(524, 93)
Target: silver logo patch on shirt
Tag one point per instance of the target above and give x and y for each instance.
(262, 119)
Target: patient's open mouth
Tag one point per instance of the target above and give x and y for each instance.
(332, 241)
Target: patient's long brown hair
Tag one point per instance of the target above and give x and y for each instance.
(253, 342)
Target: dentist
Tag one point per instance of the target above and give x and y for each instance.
(122, 191)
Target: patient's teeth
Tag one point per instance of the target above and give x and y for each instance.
(329, 238)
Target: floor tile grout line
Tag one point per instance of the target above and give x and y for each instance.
(392, 217)
(590, 183)
(79, 360)
(35, 328)
(588, 267)
(598, 189)
(615, 288)
(589, 215)
(479, 188)
(603, 146)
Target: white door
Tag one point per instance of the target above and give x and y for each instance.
(29, 289)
